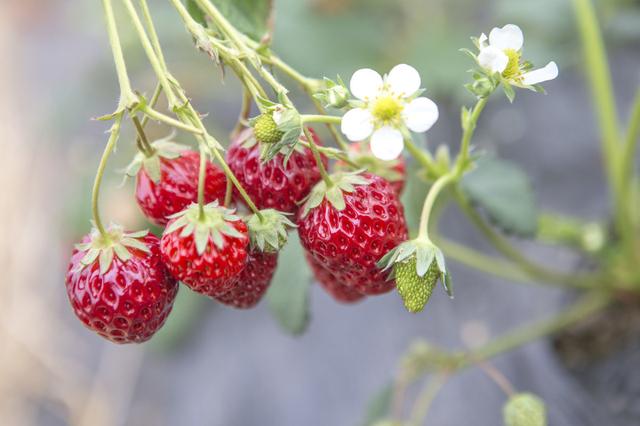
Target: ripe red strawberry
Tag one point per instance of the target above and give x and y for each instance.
(333, 283)
(271, 184)
(167, 182)
(253, 282)
(395, 171)
(206, 250)
(350, 226)
(120, 288)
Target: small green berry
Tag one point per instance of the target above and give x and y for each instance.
(266, 129)
(524, 409)
(414, 289)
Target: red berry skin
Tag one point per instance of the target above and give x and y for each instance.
(177, 187)
(350, 242)
(130, 301)
(333, 284)
(253, 282)
(272, 185)
(212, 273)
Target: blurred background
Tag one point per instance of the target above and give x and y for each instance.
(212, 365)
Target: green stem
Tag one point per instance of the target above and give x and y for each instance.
(507, 250)
(245, 110)
(467, 135)
(95, 196)
(158, 116)
(599, 75)
(144, 144)
(127, 97)
(156, 63)
(630, 147)
(329, 119)
(429, 202)
(334, 132)
(202, 174)
(152, 103)
(229, 173)
(155, 41)
(316, 155)
(310, 85)
(580, 310)
(228, 193)
(425, 398)
(421, 156)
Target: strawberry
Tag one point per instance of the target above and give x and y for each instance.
(332, 283)
(273, 184)
(266, 130)
(394, 171)
(417, 265)
(267, 235)
(349, 226)
(119, 287)
(205, 249)
(167, 181)
(253, 282)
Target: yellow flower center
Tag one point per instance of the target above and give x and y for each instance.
(512, 71)
(386, 108)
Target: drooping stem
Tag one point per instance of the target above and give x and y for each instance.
(153, 34)
(228, 193)
(332, 128)
(127, 97)
(156, 63)
(467, 135)
(316, 155)
(158, 116)
(152, 103)
(429, 202)
(243, 116)
(421, 156)
(202, 174)
(630, 148)
(95, 196)
(141, 137)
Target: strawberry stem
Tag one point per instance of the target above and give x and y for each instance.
(318, 158)
(429, 202)
(318, 118)
(141, 140)
(202, 173)
(113, 137)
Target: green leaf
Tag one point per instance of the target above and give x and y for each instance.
(379, 406)
(288, 295)
(503, 190)
(248, 16)
(196, 13)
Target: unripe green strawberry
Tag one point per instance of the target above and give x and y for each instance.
(524, 409)
(266, 130)
(414, 289)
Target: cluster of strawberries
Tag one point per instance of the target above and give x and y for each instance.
(123, 285)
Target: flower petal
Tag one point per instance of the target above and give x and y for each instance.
(365, 83)
(404, 80)
(482, 41)
(420, 114)
(387, 143)
(493, 59)
(357, 124)
(508, 37)
(549, 72)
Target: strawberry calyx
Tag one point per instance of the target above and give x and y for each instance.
(269, 233)
(210, 222)
(416, 265)
(341, 182)
(162, 148)
(115, 242)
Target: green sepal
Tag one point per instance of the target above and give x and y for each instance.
(212, 225)
(103, 248)
(365, 160)
(162, 148)
(342, 182)
(268, 234)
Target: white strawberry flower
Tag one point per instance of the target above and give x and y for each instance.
(386, 107)
(501, 53)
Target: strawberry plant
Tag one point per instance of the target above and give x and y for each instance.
(278, 207)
